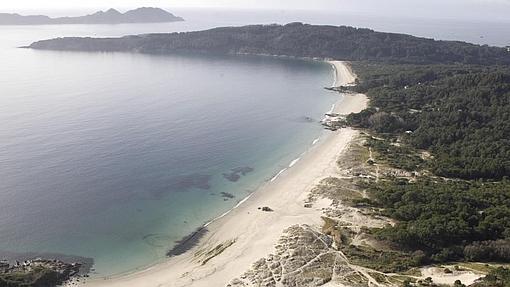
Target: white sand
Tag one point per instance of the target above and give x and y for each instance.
(343, 74)
(439, 277)
(256, 232)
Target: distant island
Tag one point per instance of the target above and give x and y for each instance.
(111, 16)
(297, 40)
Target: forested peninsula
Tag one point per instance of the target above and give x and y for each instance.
(297, 40)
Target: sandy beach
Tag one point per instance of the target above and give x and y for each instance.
(247, 233)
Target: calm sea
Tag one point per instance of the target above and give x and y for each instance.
(115, 156)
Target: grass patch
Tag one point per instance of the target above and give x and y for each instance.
(341, 235)
(356, 278)
(38, 276)
(380, 278)
(387, 261)
(338, 189)
(399, 279)
(217, 250)
(396, 156)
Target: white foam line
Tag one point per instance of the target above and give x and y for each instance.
(292, 163)
(243, 201)
(230, 210)
(315, 141)
(278, 174)
(335, 73)
(223, 215)
(332, 109)
(248, 197)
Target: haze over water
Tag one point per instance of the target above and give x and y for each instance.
(115, 156)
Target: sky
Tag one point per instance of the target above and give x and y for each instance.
(478, 9)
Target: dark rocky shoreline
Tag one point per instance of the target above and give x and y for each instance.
(38, 272)
(41, 269)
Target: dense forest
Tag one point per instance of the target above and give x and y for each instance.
(295, 39)
(460, 113)
(448, 220)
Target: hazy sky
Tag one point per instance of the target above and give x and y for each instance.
(489, 9)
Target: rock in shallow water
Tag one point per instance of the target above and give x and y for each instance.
(235, 174)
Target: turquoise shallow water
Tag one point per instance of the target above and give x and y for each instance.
(117, 156)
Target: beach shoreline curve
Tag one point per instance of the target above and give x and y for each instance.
(250, 232)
